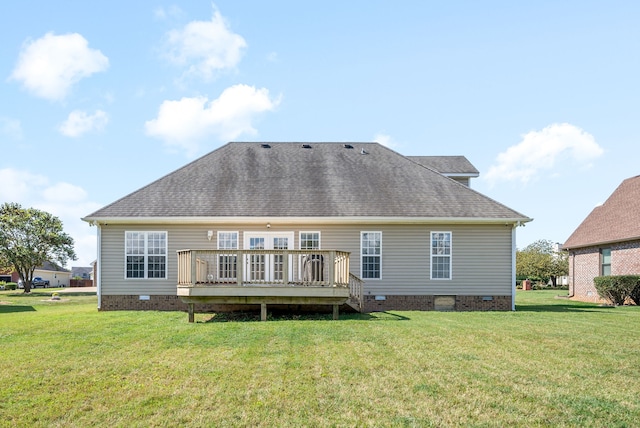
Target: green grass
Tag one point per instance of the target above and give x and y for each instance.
(551, 363)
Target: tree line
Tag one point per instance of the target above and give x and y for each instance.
(541, 262)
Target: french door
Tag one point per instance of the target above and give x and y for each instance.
(266, 267)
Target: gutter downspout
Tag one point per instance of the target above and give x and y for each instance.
(98, 273)
(513, 266)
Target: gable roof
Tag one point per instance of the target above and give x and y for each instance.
(51, 266)
(618, 219)
(448, 165)
(311, 180)
(81, 271)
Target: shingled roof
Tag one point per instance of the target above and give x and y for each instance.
(617, 220)
(306, 180)
(448, 165)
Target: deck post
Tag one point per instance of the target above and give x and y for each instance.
(194, 274)
(336, 310)
(331, 274)
(285, 268)
(240, 267)
(191, 312)
(263, 311)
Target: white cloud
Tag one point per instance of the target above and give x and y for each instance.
(19, 185)
(66, 201)
(385, 140)
(161, 14)
(556, 147)
(50, 65)
(64, 192)
(11, 128)
(79, 122)
(205, 47)
(185, 122)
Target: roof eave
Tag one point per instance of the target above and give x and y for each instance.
(306, 220)
(600, 243)
(460, 174)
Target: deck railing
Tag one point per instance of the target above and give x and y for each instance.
(356, 286)
(327, 268)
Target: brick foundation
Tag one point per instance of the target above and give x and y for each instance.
(391, 303)
(427, 303)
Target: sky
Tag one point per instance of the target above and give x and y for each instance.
(100, 98)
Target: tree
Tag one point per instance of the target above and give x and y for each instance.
(541, 261)
(29, 238)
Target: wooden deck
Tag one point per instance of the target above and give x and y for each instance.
(314, 277)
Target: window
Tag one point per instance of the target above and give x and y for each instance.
(605, 261)
(309, 240)
(146, 254)
(371, 254)
(311, 265)
(440, 255)
(227, 263)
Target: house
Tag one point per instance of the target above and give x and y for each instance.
(56, 275)
(607, 242)
(48, 271)
(81, 272)
(82, 276)
(308, 223)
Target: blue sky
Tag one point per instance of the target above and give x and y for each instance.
(101, 98)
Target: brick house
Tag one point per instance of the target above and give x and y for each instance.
(607, 242)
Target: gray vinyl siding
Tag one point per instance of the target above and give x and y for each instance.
(481, 256)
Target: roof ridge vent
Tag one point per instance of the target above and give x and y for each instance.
(306, 146)
(265, 146)
(348, 146)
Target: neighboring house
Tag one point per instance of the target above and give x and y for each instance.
(81, 276)
(56, 275)
(81, 272)
(300, 223)
(92, 275)
(8, 276)
(607, 242)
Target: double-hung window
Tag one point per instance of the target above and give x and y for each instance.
(440, 255)
(227, 263)
(145, 254)
(371, 255)
(309, 240)
(311, 264)
(605, 261)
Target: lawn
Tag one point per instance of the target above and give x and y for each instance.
(551, 363)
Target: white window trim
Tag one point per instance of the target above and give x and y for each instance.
(227, 231)
(146, 254)
(379, 255)
(431, 255)
(270, 235)
(218, 240)
(309, 231)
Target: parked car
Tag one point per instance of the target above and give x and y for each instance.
(39, 282)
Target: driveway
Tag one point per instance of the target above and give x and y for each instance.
(88, 290)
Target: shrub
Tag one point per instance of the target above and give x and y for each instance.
(635, 294)
(616, 288)
(11, 286)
